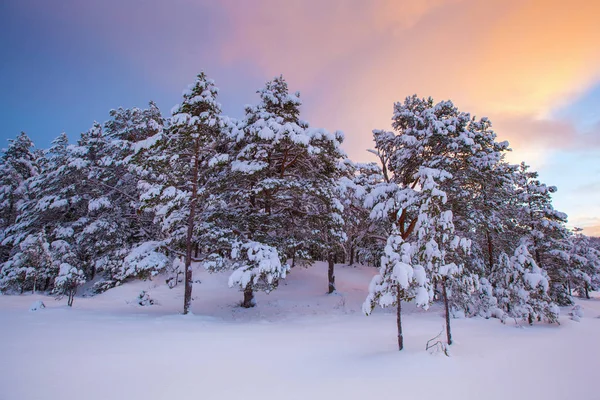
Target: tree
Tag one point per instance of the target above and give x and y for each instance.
(18, 163)
(282, 180)
(583, 264)
(364, 233)
(399, 279)
(67, 281)
(183, 162)
(522, 287)
(545, 229)
(256, 266)
(427, 165)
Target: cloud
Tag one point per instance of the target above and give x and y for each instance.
(352, 60)
(590, 225)
(302, 37)
(589, 188)
(539, 138)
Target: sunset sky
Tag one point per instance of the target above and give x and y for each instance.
(532, 67)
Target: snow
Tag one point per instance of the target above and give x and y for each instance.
(37, 305)
(97, 204)
(297, 343)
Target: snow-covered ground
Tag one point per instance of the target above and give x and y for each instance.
(298, 343)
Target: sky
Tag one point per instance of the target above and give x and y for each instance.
(531, 66)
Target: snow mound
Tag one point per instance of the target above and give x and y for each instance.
(37, 305)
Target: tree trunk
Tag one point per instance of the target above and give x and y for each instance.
(187, 297)
(351, 255)
(196, 250)
(490, 247)
(399, 321)
(538, 258)
(46, 284)
(587, 291)
(447, 307)
(248, 298)
(330, 271)
(71, 294)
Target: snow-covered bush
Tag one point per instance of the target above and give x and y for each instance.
(37, 305)
(144, 299)
(175, 272)
(576, 313)
(257, 267)
(67, 281)
(521, 288)
(143, 261)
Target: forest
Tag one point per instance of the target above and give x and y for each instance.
(440, 212)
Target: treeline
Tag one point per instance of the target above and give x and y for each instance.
(442, 213)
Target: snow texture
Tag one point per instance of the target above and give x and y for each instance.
(328, 347)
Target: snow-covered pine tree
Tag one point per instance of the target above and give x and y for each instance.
(522, 287)
(49, 210)
(502, 280)
(256, 267)
(136, 250)
(583, 264)
(431, 142)
(87, 197)
(282, 180)
(545, 228)
(399, 279)
(18, 163)
(68, 280)
(183, 162)
(363, 234)
(328, 219)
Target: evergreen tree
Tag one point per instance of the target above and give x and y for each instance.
(18, 163)
(256, 267)
(183, 162)
(67, 281)
(545, 229)
(583, 264)
(522, 287)
(399, 279)
(283, 178)
(424, 163)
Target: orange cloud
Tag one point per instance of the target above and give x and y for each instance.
(352, 60)
(590, 226)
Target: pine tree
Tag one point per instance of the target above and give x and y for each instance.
(283, 178)
(18, 163)
(545, 229)
(583, 264)
(363, 233)
(67, 281)
(256, 267)
(522, 287)
(399, 280)
(183, 162)
(87, 196)
(424, 163)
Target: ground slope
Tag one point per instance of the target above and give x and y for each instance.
(298, 343)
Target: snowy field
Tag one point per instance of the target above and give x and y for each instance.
(298, 343)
